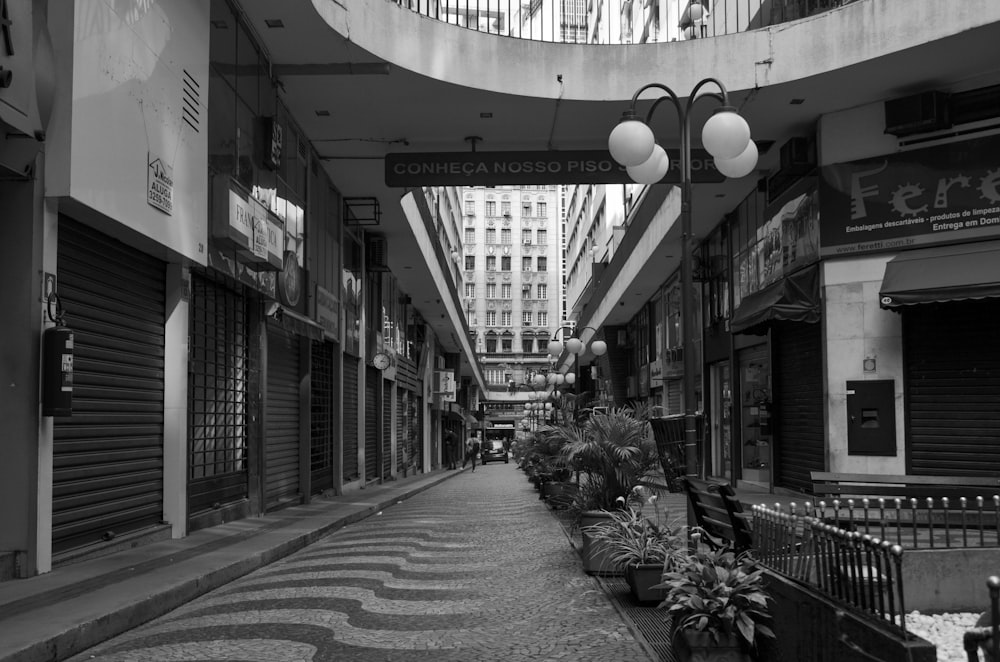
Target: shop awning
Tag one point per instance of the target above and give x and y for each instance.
(794, 298)
(942, 273)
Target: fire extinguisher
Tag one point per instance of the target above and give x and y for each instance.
(57, 364)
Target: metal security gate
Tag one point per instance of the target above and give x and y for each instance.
(108, 456)
(322, 418)
(402, 404)
(386, 429)
(281, 444)
(372, 380)
(952, 387)
(799, 430)
(218, 367)
(350, 418)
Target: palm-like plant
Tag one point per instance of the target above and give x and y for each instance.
(613, 453)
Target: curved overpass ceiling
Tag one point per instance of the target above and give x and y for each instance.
(368, 77)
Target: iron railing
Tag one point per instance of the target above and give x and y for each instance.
(616, 21)
(858, 570)
(928, 523)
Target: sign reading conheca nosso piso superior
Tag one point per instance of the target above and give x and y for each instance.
(529, 168)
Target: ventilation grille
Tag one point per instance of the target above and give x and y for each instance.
(191, 110)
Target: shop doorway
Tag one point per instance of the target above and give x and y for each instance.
(755, 411)
(722, 420)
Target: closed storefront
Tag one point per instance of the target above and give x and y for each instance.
(324, 402)
(281, 437)
(218, 418)
(952, 386)
(351, 472)
(108, 456)
(372, 380)
(386, 445)
(799, 428)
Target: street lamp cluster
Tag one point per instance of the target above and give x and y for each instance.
(575, 346)
(726, 136)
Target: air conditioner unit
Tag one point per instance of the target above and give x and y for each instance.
(918, 113)
(378, 253)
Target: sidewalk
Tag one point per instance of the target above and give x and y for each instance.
(53, 616)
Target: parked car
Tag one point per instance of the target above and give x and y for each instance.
(493, 451)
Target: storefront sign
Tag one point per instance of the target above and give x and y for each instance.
(942, 194)
(159, 184)
(445, 385)
(529, 168)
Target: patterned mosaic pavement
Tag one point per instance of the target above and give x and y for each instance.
(475, 568)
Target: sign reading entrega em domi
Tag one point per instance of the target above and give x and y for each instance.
(941, 194)
(529, 168)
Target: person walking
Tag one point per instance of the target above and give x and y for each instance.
(472, 450)
(450, 449)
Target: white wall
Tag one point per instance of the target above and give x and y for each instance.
(130, 74)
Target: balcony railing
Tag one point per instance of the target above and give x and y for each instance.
(617, 21)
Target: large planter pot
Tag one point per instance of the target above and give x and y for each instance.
(642, 578)
(694, 646)
(595, 553)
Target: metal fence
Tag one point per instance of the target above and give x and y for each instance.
(859, 570)
(617, 21)
(928, 523)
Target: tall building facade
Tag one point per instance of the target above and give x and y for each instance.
(512, 250)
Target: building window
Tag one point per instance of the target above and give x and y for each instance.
(491, 345)
(543, 291)
(470, 235)
(526, 209)
(505, 236)
(470, 290)
(491, 290)
(505, 263)
(491, 235)
(491, 263)
(505, 318)
(543, 264)
(470, 207)
(543, 236)
(470, 262)
(505, 291)
(526, 236)
(527, 345)
(543, 212)
(491, 320)
(491, 208)
(526, 292)
(543, 319)
(472, 318)
(525, 264)
(526, 318)
(506, 345)
(505, 207)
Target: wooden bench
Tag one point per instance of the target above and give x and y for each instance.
(719, 514)
(845, 486)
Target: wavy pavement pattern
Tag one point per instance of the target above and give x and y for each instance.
(475, 569)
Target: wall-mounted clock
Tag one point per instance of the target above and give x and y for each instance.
(381, 360)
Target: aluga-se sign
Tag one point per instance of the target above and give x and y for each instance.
(528, 168)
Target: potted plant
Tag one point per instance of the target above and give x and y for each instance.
(642, 547)
(612, 453)
(718, 605)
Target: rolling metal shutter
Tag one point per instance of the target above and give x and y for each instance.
(281, 446)
(402, 400)
(322, 415)
(108, 456)
(386, 429)
(218, 365)
(799, 431)
(952, 386)
(350, 418)
(372, 379)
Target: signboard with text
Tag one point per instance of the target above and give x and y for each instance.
(529, 168)
(941, 194)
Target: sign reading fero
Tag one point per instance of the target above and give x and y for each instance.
(529, 168)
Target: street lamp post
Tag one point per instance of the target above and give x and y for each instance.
(726, 136)
(575, 346)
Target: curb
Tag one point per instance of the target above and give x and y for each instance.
(82, 636)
